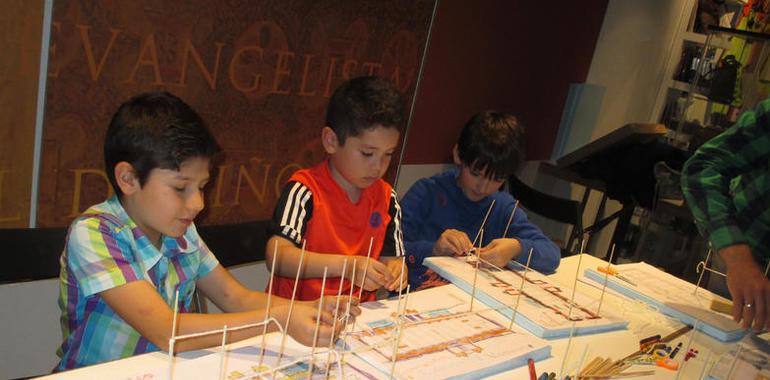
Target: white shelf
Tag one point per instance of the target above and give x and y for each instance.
(679, 85)
(685, 87)
(694, 37)
(718, 41)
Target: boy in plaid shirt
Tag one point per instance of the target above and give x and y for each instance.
(126, 258)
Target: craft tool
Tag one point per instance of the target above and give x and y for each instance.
(614, 272)
(532, 372)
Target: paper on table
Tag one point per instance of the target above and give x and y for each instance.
(441, 337)
(750, 364)
(672, 296)
(243, 363)
(545, 308)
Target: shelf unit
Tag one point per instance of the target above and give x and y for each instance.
(683, 98)
(716, 46)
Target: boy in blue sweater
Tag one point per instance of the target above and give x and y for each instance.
(443, 212)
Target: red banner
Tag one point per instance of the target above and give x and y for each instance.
(259, 73)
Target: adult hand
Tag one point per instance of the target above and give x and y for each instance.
(377, 274)
(500, 251)
(748, 286)
(452, 243)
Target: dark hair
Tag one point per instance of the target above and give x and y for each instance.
(155, 130)
(492, 141)
(362, 103)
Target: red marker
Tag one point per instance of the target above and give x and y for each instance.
(532, 372)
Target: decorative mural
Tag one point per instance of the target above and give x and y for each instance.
(258, 72)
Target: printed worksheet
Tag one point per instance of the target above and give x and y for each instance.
(540, 306)
(672, 296)
(437, 334)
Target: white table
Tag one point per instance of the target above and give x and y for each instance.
(643, 322)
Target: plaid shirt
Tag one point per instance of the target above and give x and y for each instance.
(727, 184)
(105, 249)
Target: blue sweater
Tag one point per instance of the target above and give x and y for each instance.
(436, 204)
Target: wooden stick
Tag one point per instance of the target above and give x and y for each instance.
(589, 367)
(604, 366)
(347, 317)
(267, 308)
(521, 288)
(366, 269)
(172, 340)
(347, 309)
(676, 334)
(350, 295)
(619, 376)
(582, 245)
(606, 276)
(566, 351)
(395, 351)
(291, 303)
(398, 336)
(510, 218)
(401, 275)
(406, 299)
(574, 284)
(222, 354)
(317, 323)
(618, 369)
(398, 306)
(176, 313)
(171, 359)
(332, 340)
(476, 272)
(484, 222)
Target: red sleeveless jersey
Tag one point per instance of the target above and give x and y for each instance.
(315, 208)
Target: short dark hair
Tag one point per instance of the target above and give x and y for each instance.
(155, 130)
(492, 141)
(362, 103)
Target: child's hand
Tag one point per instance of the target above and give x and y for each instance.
(331, 301)
(303, 319)
(452, 243)
(500, 251)
(395, 266)
(377, 275)
(303, 322)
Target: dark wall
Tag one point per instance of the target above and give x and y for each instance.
(515, 56)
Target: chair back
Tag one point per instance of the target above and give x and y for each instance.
(555, 208)
(562, 210)
(31, 253)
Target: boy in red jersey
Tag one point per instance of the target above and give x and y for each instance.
(342, 203)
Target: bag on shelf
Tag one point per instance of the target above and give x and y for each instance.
(722, 80)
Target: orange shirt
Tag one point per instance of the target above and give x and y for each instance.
(314, 208)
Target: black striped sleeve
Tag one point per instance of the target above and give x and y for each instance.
(292, 212)
(394, 238)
